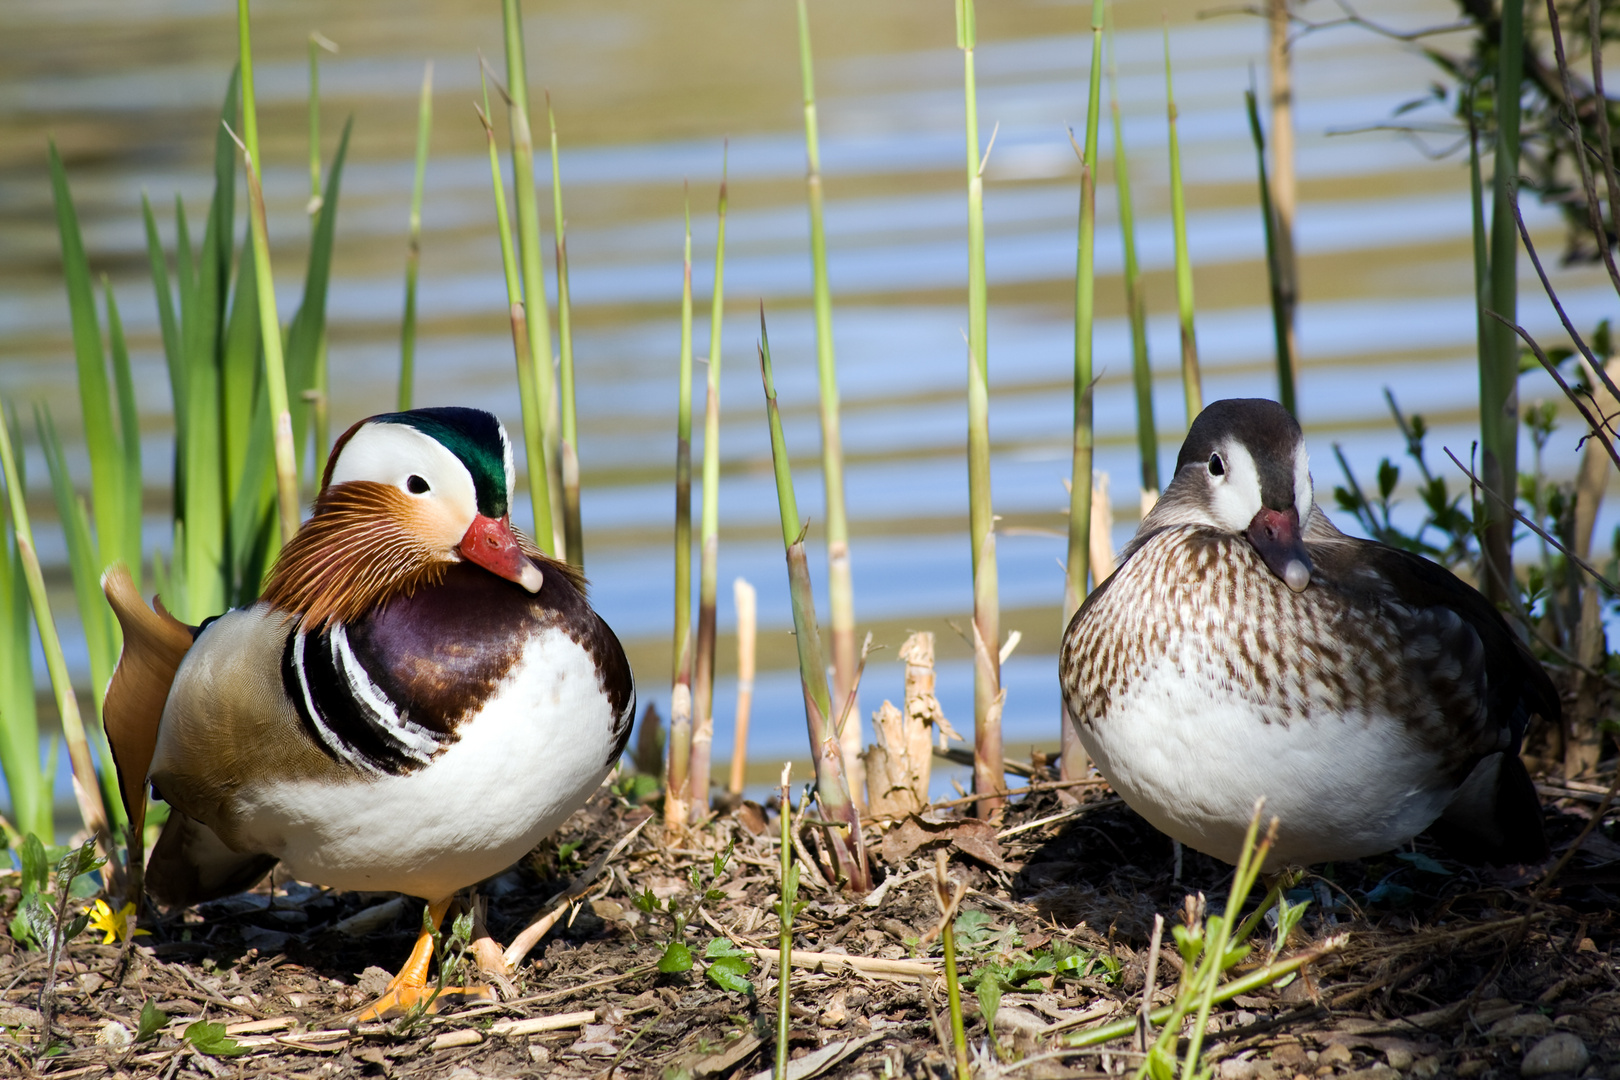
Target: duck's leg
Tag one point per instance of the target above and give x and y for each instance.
(410, 986)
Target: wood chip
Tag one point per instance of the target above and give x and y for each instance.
(464, 1037)
(258, 1027)
(536, 1024)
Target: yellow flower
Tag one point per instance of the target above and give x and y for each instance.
(115, 924)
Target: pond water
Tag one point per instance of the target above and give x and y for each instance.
(645, 100)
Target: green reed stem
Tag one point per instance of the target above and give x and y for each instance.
(568, 445)
(1078, 565)
(413, 251)
(987, 753)
(709, 571)
(1274, 268)
(831, 785)
(86, 788)
(953, 996)
(1085, 291)
(534, 368)
(840, 583)
(1499, 362)
(680, 709)
(269, 322)
(319, 396)
(1147, 432)
(1191, 381)
(785, 911)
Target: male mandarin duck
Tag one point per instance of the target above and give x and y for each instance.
(418, 697)
(1246, 647)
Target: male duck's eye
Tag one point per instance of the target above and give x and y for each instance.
(1217, 467)
(416, 485)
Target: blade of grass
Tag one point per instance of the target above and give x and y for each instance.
(676, 776)
(107, 489)
(987, 755)
(95, 618)
(568, 443)
(269, 322)
(709, 570)
(840, 583)
(413, 251)
(831, 789)
(306, 333)
(1191, 380)
(536, 390)
(1499, 364)
(129, 429)
(86, 788)
(1281, 308)
(28, 785)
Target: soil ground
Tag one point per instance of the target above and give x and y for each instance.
(1447, 970)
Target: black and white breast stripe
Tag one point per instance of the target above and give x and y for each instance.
(345, 712)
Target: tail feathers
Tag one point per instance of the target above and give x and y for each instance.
(1495, 817)
(154, 644)
(191, 864)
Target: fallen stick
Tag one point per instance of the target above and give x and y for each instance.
(819, 961)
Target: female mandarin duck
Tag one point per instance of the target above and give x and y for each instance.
(418, 697)
(1246, 647)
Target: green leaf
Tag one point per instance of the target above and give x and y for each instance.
(718, 947)
(37, 916)
(988, 991)
(1423, 863)
(129, 427)
(210, 1039)
(1389, 474)
(35, 867)
(151, 1022)
(730, 973)
(677, 958)
(971, 927)
(646, 902)
(81, 860)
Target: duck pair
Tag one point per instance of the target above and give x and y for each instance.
(420, 695)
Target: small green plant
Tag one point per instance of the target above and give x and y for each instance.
(724, 964)
(450, 953)
(46, 915)
(210, 1038)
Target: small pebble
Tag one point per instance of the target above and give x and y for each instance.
(1337, 1054)
(1399, 1058)
(1522, 1026)
(1560, 1053)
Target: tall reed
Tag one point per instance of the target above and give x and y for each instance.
(1191, 381)
(987, 694)
(840, 583)
(1147, 432)
(413, 250)
(533, 362)
(747, 601)
(1078, 565)
(1282, 187)
(680, 705)
(319, 395)
(847, 847)
(1497, 291)
(1281, 307)
(568, 440)
(708, 571)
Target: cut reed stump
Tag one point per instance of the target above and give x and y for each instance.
(898, 765)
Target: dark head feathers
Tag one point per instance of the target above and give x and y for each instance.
(1267, 430)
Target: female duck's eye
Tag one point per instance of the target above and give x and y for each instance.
(416, 485)
(1217, 467)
